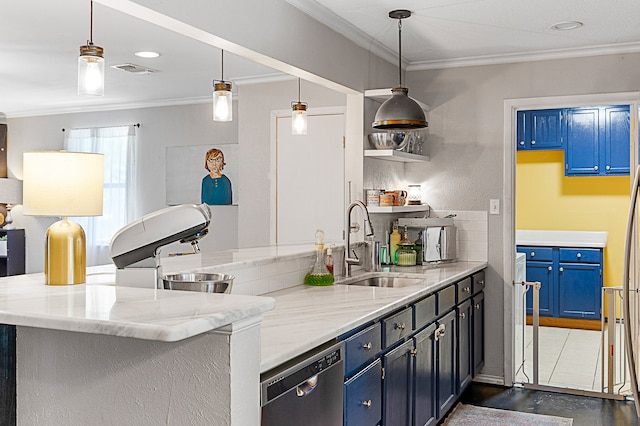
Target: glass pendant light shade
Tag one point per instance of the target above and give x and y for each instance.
(91, 70)
(400, 112)
(222, 101)
(298, 118)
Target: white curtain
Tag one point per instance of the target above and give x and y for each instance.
(117, 145)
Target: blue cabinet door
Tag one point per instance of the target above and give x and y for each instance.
(616, 146)
(544, 273)
(582, 155)
(424, 378)
(540, 129)
(446, 364)
(396, 385)
(363, 397)
(477, 318)
(579, 290)
(465, 346)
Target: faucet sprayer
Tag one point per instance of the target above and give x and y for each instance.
(368, 231)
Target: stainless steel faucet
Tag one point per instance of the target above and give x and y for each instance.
(368, 231)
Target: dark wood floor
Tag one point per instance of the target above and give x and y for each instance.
(585, 411)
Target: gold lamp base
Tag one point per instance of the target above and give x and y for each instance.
(65, 254)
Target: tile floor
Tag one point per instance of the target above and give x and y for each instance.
(568, 358)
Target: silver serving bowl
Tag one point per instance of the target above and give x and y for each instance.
(389, 140)
(208, 283)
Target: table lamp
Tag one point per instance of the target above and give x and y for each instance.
(63, 183)
(10, 194)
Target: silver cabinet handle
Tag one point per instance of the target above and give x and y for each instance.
(608, 167)
(522, 143)
(467, 289)
(550, 268)
(367, 403)
(533, 253)
(579, 255)
(561, 269)
(400, 326)
(595, 168)
(481, 282)
(477, 306)
(533, 142)
(414, 352)
(462, 315)
(367, 346)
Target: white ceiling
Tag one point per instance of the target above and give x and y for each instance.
(443, 33)
(39, 43)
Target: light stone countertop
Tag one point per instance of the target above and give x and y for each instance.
(306, 317)
(580, 239)
(99, 307)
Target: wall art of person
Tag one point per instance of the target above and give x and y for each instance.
(216, 187)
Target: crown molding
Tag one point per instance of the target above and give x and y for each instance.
(612, 49)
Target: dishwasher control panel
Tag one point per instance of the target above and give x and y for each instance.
(302, 372)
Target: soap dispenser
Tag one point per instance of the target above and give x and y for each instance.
(319, 275)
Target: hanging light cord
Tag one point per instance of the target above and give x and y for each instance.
(222, 65)
(400, 51)
(91, 25)
(298, 89)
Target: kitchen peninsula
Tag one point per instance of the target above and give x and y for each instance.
(99, 353)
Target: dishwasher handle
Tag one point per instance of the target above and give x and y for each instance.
(307, 387)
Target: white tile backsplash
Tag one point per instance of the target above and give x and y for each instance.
(472, 241)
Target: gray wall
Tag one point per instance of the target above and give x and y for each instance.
(183, 125)
(466, 143)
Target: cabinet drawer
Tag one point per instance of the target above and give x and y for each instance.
(396, 327)
(424, 312)
(362, 348)
(463, 289)
(580, 255)
(363, 397)
(446, 299)
(537, 253)
(478, 282)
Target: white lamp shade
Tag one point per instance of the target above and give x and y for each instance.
(62, 183)
(10, 191)
(222, 105)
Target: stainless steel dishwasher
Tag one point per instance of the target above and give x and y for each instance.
(307, 392)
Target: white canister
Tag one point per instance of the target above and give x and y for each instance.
(373, 197)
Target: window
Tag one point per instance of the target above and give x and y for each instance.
(117, 145)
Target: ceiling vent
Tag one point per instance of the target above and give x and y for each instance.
(134, 69)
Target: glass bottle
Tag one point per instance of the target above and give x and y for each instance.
(319, 275)
(406, 253)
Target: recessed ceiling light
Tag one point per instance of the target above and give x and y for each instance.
(147, 54)
(567, 25)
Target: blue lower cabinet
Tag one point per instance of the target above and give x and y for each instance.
(424, 378)
(446, 362)
(465, 346)
(396, 385)
(542, 272)
(363, 397)
(578, 297)
(477, 318)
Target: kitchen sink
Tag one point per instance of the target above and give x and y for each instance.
(384, 282)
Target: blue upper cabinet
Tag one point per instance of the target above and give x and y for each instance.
(597, 141)
(541, 129)
(617, 134)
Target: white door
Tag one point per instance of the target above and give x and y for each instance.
(309, 178)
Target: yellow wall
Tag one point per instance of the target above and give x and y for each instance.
(547, 199)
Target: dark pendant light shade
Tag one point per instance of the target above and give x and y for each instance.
(399, 111)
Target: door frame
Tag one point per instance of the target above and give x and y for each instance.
(511, 106)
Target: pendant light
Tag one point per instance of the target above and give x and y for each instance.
(400, 111)
(222, 97)
(298, 116)
(91, 66)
